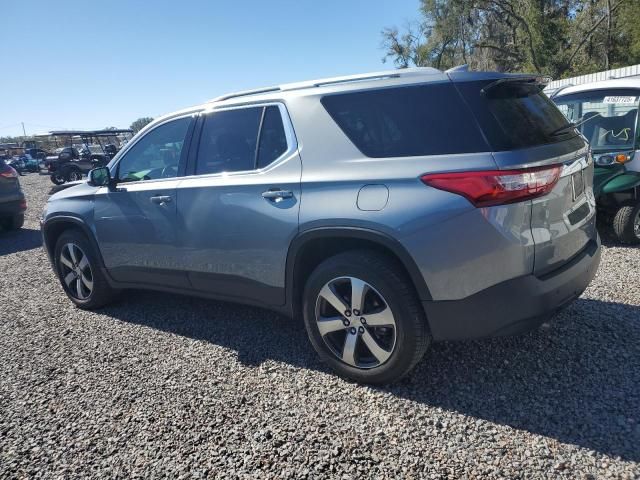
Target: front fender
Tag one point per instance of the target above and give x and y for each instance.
(603, 175)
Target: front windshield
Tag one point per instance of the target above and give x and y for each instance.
(607, 118)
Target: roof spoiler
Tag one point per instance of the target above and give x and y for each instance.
(540, 80)
(459, 68)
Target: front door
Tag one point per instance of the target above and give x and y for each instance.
(239, 209)
(136, 220)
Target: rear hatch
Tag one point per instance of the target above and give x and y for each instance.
(525, 129)
(9, 183)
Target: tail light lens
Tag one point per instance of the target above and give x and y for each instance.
(9, 172)
(23, 203)
(497, 187)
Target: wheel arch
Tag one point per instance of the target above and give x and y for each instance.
(55, 226)
(311, 247)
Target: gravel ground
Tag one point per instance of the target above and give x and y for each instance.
(163, 385)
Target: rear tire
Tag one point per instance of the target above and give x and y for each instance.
(73, 175)
(79, 271)
(626, 223)
(394, 322)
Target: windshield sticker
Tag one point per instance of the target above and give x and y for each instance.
(621, 100)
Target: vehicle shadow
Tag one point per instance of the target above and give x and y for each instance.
(575, 380)
(19, 240)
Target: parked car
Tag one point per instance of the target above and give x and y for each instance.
(387, 210)
(12, 201)
(17, 163)
(606, 113)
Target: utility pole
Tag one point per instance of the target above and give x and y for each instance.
(23, 130)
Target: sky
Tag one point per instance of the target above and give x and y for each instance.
(92, 64)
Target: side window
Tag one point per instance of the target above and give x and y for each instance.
(228, 141)
(406, 121)
(156, 155)
(273, 141)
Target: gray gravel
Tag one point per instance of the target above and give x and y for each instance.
(162, 385)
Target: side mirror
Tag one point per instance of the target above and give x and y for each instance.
(100, 177)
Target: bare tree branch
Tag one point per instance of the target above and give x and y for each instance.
(588, 34)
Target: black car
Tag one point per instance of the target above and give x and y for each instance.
(12, 201)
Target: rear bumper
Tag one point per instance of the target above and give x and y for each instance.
(514, 306)
(13, 207)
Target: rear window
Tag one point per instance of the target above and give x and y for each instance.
(407, 121)
(228, 141)
(515, 115)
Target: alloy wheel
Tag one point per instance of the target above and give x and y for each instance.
(75, 176)
(76, 271)
(355, 322)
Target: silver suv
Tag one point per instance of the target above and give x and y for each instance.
(388, 210)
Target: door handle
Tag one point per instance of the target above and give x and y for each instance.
(161, 199)
(277, 195)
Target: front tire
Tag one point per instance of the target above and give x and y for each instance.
(363, 317)
(626, 223)
(79, 271)
(57, 178)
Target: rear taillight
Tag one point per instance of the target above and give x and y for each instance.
(23, 204)
(9, 172)
(497, 187)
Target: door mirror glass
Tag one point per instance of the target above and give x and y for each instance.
(100, 177)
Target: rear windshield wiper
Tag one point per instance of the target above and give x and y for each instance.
(570, 125)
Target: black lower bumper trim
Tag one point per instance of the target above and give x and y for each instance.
(12, 208)
(514, 306)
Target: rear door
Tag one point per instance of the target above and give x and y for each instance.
(239, 208)
(525, 129)
(136, 220)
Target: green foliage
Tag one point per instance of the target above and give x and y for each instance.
(140, 123)
(556, 37)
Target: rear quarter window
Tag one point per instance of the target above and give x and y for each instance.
(406, 121)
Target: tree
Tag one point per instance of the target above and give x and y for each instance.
(140, 123)
(554, 37)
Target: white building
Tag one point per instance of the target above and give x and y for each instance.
(624, 72)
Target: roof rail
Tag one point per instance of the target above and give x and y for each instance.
(242, 93)
(332, 81)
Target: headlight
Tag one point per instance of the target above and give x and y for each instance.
(615, 157)
(604, 160)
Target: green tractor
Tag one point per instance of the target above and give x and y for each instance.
(606, 113)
